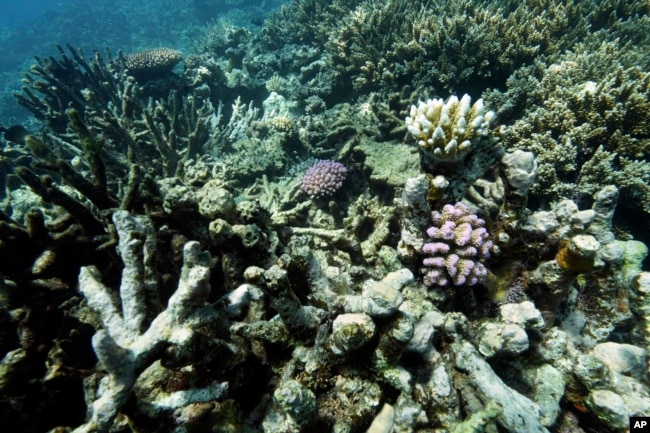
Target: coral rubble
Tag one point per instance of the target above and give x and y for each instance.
(273, 236)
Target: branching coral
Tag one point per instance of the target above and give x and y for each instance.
(372, 45)
(470, 40)
(107, 103)
(590, 128)
(304, 21)
(447, 44)
(129, 343)
(160, 134)
(449, 130)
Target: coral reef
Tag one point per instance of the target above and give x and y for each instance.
(274, 236)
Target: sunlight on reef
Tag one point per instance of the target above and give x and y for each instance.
(343, 216)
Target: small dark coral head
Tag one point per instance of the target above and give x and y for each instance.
(153, 63)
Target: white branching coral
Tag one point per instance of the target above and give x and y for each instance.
(450, 130)
(126, 345)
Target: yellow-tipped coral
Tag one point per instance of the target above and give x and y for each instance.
(449, 130)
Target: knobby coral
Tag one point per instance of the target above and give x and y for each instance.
(457, 247)
(152, 63)
(450, 130)
(324, 178)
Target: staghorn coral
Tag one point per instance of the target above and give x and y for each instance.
(219, 36)
(471, 40)
(447, 45)
(53, 85)
(127, 344)
(372, 45)
(304, 21)
(162, 133)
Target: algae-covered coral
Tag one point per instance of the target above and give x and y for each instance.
(588, 125)
(368, 215)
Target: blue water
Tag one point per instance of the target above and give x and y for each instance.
(31, 28)
(22, 12)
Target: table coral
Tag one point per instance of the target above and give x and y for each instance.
(152, 63)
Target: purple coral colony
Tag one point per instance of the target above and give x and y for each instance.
(323, 178)
(457, 246)
(351, 216)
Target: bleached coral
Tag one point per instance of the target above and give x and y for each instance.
(450, 130)
(127, 344)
